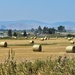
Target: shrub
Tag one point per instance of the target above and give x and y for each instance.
(60, 66)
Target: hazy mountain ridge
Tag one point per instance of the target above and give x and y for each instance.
(69, 25)
(28, 24)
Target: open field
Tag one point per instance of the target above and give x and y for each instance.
(23, 49)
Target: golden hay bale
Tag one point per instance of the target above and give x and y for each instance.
(35, 37)
(45, 38)
(31, 37)
(31, 41)
(70, 49)
(3, 44)
(2, 37)
(65, 37)
(37, 48)
(42, 39)
(26, 37)
(56, 37)
(14, 37)
(71, 42)
(69, 38)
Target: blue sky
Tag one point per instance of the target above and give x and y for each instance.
(42, 10)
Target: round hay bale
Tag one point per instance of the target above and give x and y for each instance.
(14, 37)
(65, 37)
(45, 38)
(31, 37)
(69, 38)
(70, 49)
(71, 42)
(35, 37)
(2, 37)
(3, 44)
(26, 37)
(37, 48)
(42, 39)
(56, 37)
(31, 41)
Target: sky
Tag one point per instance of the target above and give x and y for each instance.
(41, 10)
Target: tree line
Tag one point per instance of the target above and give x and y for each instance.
(40, 30)
(10, 33)
(46, 30)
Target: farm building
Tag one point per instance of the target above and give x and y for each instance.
(3, 34)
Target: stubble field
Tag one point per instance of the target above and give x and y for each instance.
(53, 47)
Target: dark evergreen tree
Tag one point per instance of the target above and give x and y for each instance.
(39, 29)
(45, 30)
(10, 33)
(15, 34)
(35, 32)
(25, 34)
(51, 31)
(61, 28)
(32, 30)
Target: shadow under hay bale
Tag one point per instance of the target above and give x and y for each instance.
(3, 44)
(70, 49)
(37, 48)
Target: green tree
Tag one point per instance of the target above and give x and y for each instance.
(35, 32)
(10, 33)
(61, 28)
(45, 30)
(51, 31)
(32, 30)
(25, 34)
(15, 34)
(39, 29)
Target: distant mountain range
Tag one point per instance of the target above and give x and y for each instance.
(28, 24)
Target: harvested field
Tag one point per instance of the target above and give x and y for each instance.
(23, 49)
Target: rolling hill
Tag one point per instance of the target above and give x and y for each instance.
(28, 24)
